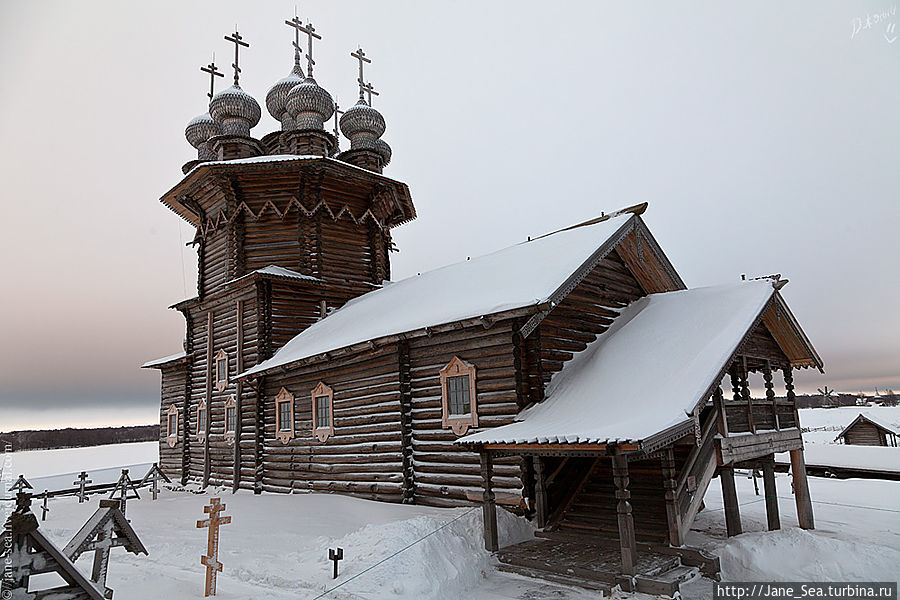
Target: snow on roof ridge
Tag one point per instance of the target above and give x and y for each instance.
(889, 426)
(661, 353)
(518, 276)
(161, 361)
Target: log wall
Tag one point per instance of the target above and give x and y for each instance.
(174, 380)
(864, 434)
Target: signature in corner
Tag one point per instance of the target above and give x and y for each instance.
(859, 24)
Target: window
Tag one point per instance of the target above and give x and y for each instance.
(230, 419)
(201, 419)
(172, 426)
(323, 411)
(284, 416)
(221, 370)
(458, 396)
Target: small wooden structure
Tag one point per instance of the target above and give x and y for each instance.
(153, 476)
(126, 489)
(27, 552)
(211, 559)
(866, 430)
(106, 529)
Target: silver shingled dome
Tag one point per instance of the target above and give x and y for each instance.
(276, 98)
(198, 131)
(235, 111)
(362, 125)
(309, 105)
(382, 148)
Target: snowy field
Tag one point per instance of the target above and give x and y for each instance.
(277, 545)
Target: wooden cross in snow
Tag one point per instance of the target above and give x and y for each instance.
(154, 475)
(44, 508)
(82, 480)
(211, 559)
(21, 485)
(123, 485)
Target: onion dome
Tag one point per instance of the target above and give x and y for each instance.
(309, 105)
(382, 148)
(363, 125)
(235, 111)
(276, 98)
(198, 131)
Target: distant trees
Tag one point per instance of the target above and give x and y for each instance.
(77, 438)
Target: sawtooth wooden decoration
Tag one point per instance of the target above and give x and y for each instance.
(284, 416)
(458, 379)
(322, 402)
(211, 559)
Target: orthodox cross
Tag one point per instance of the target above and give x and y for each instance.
(21, 485)
(310, 32)
(122, 486)
(211, 559)
(213, 73)
(335, 555)
(238, 41)
(361, 57)
(44, 508)
(370, 91)
(154, 475)
(82, 480)
(337, 115)
(297, 25)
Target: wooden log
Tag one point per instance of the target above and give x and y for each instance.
(489, 509)
(801, 490)
(541, 506)
(729, 496)
(768, 469)
(627, 542)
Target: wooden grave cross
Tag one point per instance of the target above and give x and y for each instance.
(154, 475)
(21, 485)
(82, 480)
(211, 559)
(44, 508)
(122, 486)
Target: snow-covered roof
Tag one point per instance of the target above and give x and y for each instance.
(277, 271)
(645, 374)
(527, 274)
(889, 427)
(164, 360)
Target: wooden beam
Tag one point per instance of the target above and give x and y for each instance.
(625, 519)
(673, 519)
(488, 507)
(729, 495)
(768, 469)
(801, 490)
(749, 446)
(540, 486)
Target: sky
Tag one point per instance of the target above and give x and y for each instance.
(764, 135)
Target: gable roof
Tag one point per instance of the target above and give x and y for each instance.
(533, 274)
(642, 378)
(103, 518)
(887, 428)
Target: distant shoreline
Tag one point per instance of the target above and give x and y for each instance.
(70, 437)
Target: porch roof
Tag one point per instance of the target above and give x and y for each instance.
(647, 373)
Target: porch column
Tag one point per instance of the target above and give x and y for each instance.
(768, 469)
(729, 495)
(801, 490)
(540, 492)
(672, 517)
(623, 508)
(488, 507)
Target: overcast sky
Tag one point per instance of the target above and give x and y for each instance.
(764, 135)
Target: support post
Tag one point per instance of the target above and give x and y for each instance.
(540, 493)
(623, 509)
(768, 469)
(673, 519)
(488, 507)
(801, 490)
(729, 495)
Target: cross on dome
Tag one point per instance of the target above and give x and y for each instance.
(310, 32)
(297, 25)
(213, 73)
(237, 40)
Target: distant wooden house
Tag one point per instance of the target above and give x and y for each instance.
(866, 430)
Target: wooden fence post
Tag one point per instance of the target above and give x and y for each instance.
(488, 507)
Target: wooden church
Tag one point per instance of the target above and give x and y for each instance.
(572, 379)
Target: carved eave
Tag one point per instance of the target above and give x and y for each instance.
(390, 200)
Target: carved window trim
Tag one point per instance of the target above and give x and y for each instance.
(171, 436)
(202, 410)
(282, 432)
(322, 391)
(460, 424)
(230, 429)
(221, 378)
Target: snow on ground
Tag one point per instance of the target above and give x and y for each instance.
(57, 469)
(838, 418)
(277, 545)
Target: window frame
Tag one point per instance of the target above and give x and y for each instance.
(322, 391)
(221, 382)
(460, 424)
(171, 437)
(231, 404)
(287, 434)
(201, 407)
